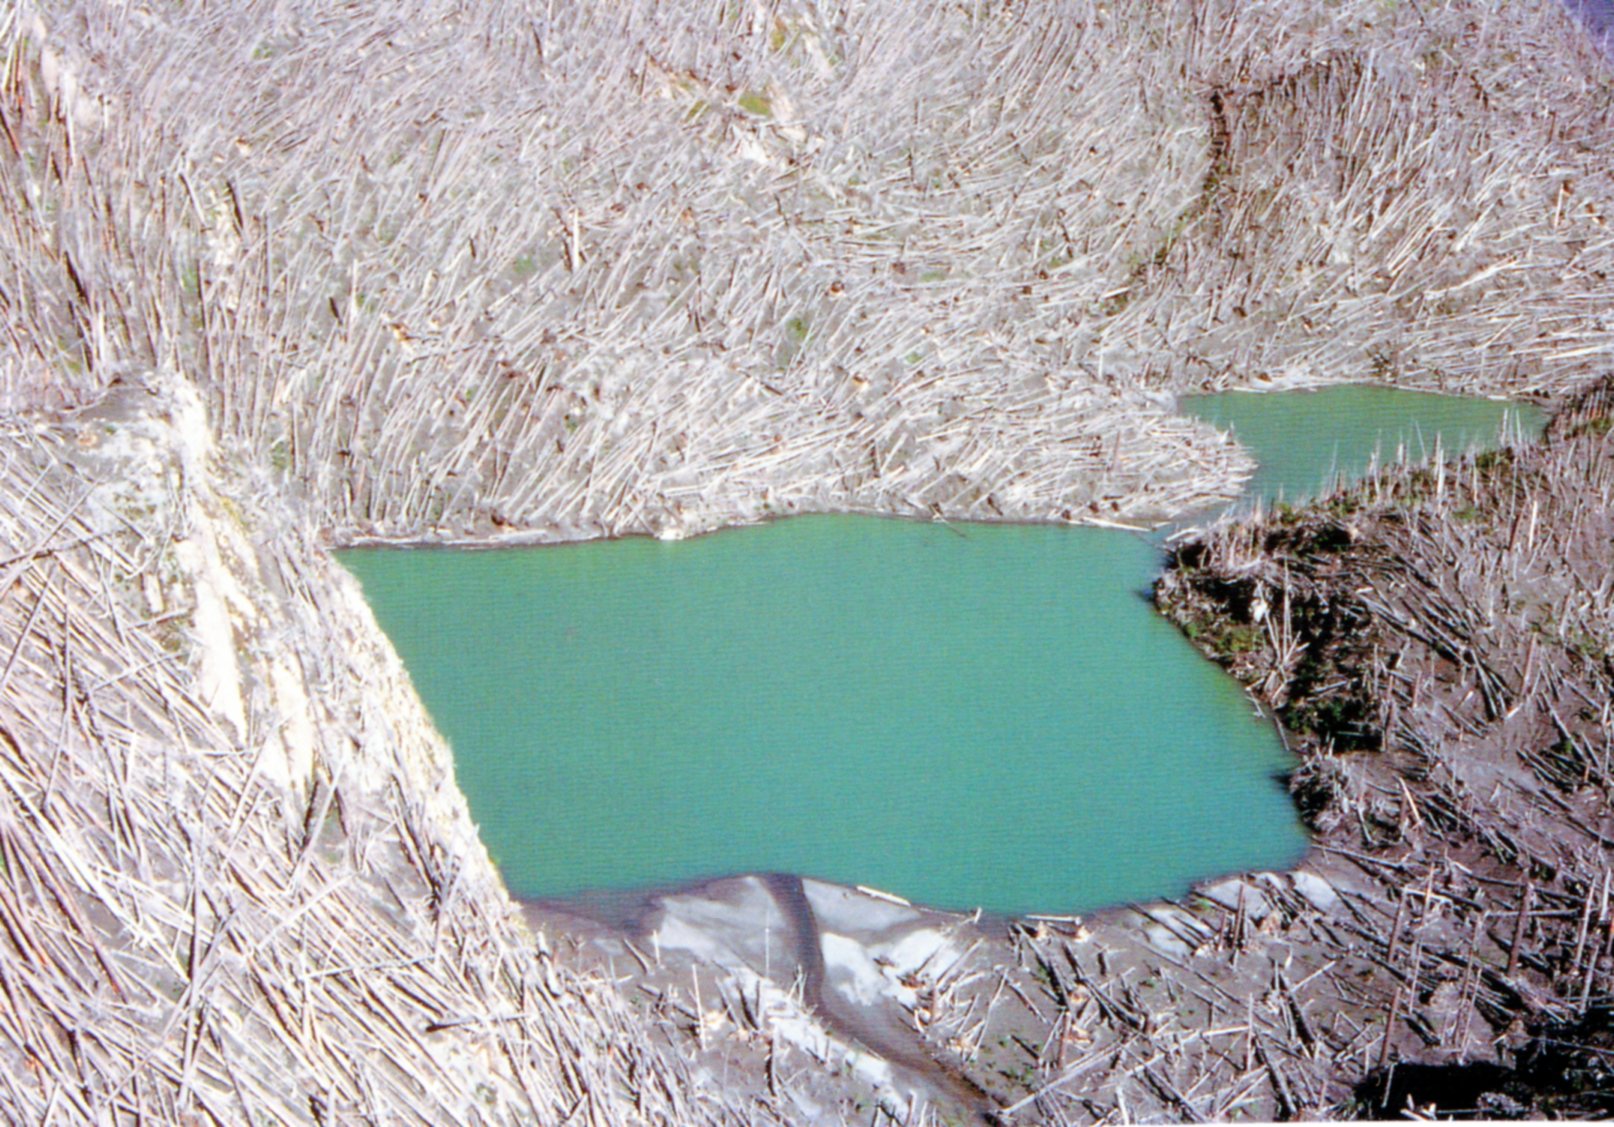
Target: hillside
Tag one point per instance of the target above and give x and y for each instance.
(276, 277)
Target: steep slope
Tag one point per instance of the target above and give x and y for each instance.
(649, 267)
(241, 884)
(1440, 643)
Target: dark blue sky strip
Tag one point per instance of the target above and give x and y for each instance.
(1598, 16)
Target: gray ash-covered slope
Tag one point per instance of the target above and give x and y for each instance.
(274, 275)
(649, 267)
(241, 885)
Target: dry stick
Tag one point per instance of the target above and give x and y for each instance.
(1520, 922)
(1391, 1018)
(1394, 943)
(1585, 923)
(1468, 991)
(1596, 946)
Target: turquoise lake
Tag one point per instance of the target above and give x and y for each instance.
(966, 715)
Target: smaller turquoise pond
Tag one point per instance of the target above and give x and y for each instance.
(966, 715)
(1304, 440)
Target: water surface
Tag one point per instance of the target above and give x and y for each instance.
(983, 715)
(967, 715)
(1303, 441)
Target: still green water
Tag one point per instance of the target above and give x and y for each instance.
(968, 715)
(1304, 440)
